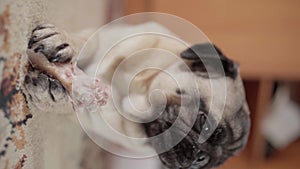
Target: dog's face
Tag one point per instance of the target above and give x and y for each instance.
(189, 105)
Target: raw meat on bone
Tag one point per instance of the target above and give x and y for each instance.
(87, 93)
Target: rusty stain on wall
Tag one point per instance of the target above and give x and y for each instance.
(19, 141)
(21, 162)
(10, 74)
(4, 23)
(13, 103)
(12, 100)
(18, 109)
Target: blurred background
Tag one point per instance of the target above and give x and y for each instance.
(262, 36)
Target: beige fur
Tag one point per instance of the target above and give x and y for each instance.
(132, 68)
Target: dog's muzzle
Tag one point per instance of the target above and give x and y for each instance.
(228, 137)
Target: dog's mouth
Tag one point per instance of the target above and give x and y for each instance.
(186, 152)
(189, 152)
(190, 158)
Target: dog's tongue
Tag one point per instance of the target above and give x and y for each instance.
(87, 93)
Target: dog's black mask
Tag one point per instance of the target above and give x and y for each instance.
(189, 153)
(230, 134)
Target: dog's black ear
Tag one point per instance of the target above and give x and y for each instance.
(205, 56)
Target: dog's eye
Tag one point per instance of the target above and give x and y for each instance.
(203, 125)
(206, 129)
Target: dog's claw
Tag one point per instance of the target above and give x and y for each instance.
(47, 40)
(46, 48)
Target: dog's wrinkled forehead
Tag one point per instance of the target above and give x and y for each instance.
(217, 75)
(204, 73)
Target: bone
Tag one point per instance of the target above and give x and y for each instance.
(86, 93)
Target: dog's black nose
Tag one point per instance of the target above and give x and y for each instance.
(203, 125)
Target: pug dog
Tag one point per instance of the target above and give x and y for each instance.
(158, 85)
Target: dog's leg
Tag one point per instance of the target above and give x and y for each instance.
(51, 52)
(52, 43)
(42, 88)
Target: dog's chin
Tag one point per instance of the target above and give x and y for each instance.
(189, 153)
(185, 155)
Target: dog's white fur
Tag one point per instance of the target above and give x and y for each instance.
(117, 69)
(127, 58)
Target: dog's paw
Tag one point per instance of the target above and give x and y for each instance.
(43, 90)
(53, 44)
(48, 82)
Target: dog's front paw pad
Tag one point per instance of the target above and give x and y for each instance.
(46, 39)
(43, 90)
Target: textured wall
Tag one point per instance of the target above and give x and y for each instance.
(32, 138)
